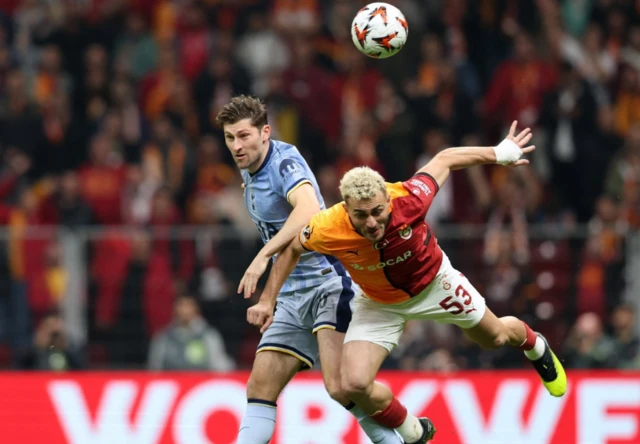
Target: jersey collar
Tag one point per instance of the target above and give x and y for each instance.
(265, 162)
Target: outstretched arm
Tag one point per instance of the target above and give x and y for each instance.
(508, 152)
(261, 314)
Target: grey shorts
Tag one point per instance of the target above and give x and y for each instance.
(299, 315)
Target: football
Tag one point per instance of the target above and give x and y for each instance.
(379, 30)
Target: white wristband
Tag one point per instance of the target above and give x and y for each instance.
(507, 152)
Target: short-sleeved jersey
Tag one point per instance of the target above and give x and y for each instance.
(266, 196)
(400, 265)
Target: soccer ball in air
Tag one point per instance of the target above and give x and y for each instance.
(379, 30)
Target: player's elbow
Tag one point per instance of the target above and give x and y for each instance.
(295, 249)
(446, 159)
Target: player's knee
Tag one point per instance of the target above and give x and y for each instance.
(261, 388)
(334, 389)
(253, 387)
(354, 386)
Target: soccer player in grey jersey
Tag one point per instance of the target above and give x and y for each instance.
(313, 308)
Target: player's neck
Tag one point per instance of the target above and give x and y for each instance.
(264, 153)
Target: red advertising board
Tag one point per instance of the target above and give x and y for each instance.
(149, 408)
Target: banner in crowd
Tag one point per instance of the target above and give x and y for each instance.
(149, 408)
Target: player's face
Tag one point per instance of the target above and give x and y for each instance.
(247, 143)
(370, 216)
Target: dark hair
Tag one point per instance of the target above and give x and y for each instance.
(243, 107)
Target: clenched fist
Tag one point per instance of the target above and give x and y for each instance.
(261, 315)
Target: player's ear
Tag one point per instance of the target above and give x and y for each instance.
(266, 133)
(344, 205)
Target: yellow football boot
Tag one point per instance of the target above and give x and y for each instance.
(551, 371)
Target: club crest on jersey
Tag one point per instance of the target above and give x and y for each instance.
(406, 232)
(307, 232)
(289, 167)
(380, 245)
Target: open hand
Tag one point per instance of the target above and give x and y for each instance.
(522, 139)
(510, 154)
(251, 277)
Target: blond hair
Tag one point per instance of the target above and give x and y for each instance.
(362, 183)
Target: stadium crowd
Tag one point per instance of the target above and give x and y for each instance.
(107, 121)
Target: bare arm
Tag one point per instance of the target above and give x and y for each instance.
(261, 314)
(507, 153)
(305, 205)
(282, 268)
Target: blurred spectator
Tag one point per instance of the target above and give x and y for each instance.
(623, 177)
(167, 157)
(293, 18)
(630, 53)
(427, 80)
(351, 95)
(66, 206)
(52, 349)
(587, 346)
(47, 278)
(328, 181)
(600, 272)
(102, 180)
(575, 15)
(625, 336)
(627, 100)
(589, 56)
(518, 86)
(50, 79)
(189, 343)
(506, 267)
(283, 115)
(94, 80)
(569, 118)
(157, 87)
(221, 79)
(307, 84)
(517, 195)
(21, 126)
(261, 51)
(136, 49)
(124, 322)
(440, 360)
(129, 121)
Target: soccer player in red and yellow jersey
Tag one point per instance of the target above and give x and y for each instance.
(380, 235)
